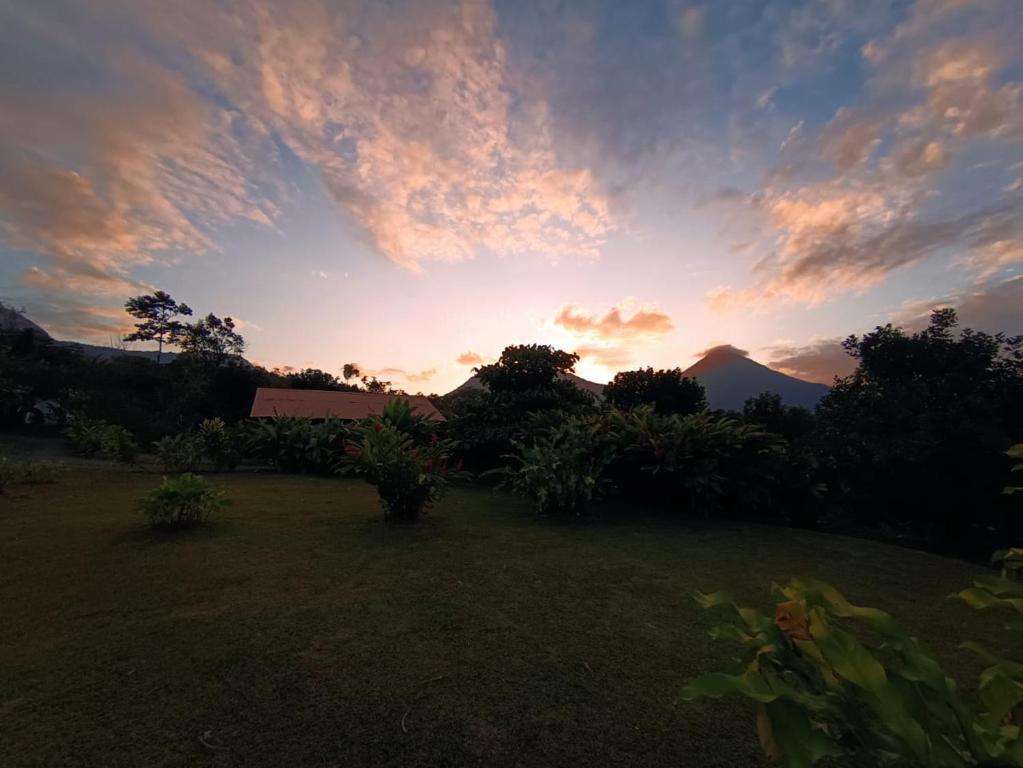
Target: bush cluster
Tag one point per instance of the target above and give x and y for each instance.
(405, 460)
(184, 501)
(18, 471)
(96, 438)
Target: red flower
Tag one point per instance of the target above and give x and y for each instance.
(790, 619)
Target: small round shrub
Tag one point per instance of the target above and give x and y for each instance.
(184, 501)
(180, 453)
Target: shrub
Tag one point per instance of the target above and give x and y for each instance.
(179, 453)
(182, 502)
(408, 478)
(93, 437)
(561, 471)
(299, 445)
(398, 413)
(702, 460)
(14, 471)
(220, 443)
(834, 679)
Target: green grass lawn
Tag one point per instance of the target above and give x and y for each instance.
(301, 631)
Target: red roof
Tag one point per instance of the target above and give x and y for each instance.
(320, 403)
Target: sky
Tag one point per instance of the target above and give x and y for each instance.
(412, 186)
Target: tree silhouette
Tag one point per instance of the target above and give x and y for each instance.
(158, 319)
(212, 339)
(668, 391)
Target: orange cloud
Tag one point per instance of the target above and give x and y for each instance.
(407, 116)
(470, 358)
(608, 357)
(645, 324)
(100, 182)
(821, 360)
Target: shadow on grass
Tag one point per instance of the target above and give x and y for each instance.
(142, 536)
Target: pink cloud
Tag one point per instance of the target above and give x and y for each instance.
(646, 323)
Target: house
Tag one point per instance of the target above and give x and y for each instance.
(321, 404)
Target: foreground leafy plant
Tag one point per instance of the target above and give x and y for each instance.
(408, 477)
(185, 501)
(831, 678)
(562, 470)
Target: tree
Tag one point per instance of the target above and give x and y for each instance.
(211, 339)
(158, 315)
(373, 384)
(525, 367)
(350, 371)
(527, 379)
(918, 431)
(790, 421)
(668, 391)
(314, 378)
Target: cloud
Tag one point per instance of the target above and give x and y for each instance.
(938, 90)
(722, 348)
(121, 151)
(821, 360)
(398, 373)
(850, 139)
(470, 358)
(992, 308)
(838, 236)
(101, 179)
(645, 324)
(407, 115)
(608, 357)
(76, 320)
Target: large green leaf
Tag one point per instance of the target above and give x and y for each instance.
(800, 742)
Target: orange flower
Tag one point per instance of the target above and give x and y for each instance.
(790, 619)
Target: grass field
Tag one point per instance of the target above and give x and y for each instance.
(301, 631)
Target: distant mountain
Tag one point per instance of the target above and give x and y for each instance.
(98, 352)
(12, 321)
(473, 382)
(729, 378)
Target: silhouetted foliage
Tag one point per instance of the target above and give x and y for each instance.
(314, 378)
(527, 379)
(211, 339)
(918, 432)
(668, 391)
(524, 368)
(158, 315)
(790, 421)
